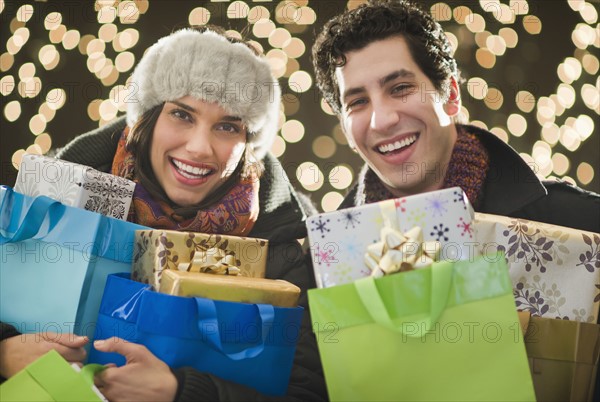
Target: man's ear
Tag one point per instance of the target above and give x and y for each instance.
(453, 104)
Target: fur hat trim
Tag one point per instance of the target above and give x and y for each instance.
(206, 66)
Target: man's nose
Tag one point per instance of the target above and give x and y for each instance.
(383, 115)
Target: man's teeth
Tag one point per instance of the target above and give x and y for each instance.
(191, 172)
(397, 145)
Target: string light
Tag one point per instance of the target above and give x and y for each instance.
(292, 131)
(341, 177)
(324, 147)
(485, 35)
(331, 201)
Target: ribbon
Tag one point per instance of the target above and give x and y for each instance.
(400, 252)
(212, 261)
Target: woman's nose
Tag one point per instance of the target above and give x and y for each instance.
(199, 142)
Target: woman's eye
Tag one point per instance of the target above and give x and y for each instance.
(181, 114)
(230, 128)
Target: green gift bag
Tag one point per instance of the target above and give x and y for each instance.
(51, 378)
(447, 332)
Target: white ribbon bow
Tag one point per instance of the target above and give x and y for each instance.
(399, 252)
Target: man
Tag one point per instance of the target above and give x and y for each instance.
(387, 70)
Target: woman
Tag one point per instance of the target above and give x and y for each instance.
(204, 112)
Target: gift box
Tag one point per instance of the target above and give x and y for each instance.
(339, 239)
(563, 357)
(159, 250)
(75, 185)
(51, 378)
(555, 270)
(230, 288)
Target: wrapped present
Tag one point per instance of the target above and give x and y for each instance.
(230, 288)
(555, 270)
(563, 357)
(51, 378)
(75, 185)
(340, 239)
(159, 250)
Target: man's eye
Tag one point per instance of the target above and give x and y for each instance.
(355, 103)
(402, 88)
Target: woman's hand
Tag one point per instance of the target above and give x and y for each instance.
(19, 351)
(144, 377)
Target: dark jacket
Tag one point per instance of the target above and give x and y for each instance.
(511, 188)
(282, 221)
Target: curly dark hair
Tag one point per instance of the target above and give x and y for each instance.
(377, 20)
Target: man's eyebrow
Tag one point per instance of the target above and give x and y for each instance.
(402, 73)
(352, 91)
(193, 110)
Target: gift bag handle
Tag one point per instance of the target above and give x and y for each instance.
(441, 280)
(208, 324)
(41, 207)
(89, 371)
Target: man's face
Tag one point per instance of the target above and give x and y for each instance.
(394, 117)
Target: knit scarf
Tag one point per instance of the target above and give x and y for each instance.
(467, 169)
(235, 214)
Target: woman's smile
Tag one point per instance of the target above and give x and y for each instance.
(196, 146)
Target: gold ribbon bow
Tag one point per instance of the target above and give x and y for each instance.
(212, 261)
(399, 252)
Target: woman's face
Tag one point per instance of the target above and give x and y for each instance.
(195, 147)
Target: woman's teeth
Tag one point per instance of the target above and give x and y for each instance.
(190, 172)
(397, 145)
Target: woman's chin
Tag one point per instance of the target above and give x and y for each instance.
(186, 201)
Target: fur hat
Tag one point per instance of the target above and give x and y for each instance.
(207, 66)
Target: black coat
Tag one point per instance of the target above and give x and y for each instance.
(511, 188)
(281, 220)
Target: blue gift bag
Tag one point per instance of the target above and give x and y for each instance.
(250, 344)
(54, 261)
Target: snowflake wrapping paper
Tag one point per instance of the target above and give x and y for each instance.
(338, 240)
(75, 185)
(555, 270)
(157, 250)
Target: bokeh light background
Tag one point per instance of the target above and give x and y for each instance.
(531, 70)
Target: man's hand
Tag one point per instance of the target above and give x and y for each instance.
(19, 351)
(144, 377)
